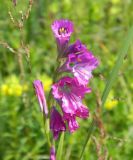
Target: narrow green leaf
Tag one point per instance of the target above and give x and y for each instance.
(111, 80)
(118, 64)
(60, 147)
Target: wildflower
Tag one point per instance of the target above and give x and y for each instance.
(62, 30)
(110, 104)
(40, 95)
(8, 90)
(76, 48)
(57, 124)
(72, 123)
(12, 86)
(48, 84)
(81, 65)
(4, 89)
(69, 93)
(18, 90)
(47, 81)
(52, 153)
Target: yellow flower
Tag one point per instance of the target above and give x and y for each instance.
(47, 85)
(4, 89)
(10, 91)
(12, 86)
(18, 90)
(47, 82)
(110, 104)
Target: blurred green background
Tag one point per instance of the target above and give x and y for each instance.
(30, 53)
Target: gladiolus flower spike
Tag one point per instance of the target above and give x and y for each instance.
(68, 91)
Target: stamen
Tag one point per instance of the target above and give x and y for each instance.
(62, 30)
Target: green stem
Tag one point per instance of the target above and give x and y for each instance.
(60, 147)
(47, 131)
(90, 131)
(55, 76)
(46, 128)
(50, 103)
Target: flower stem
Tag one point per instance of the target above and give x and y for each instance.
(55, 76)
(60, 146)
(47, 131)
(50, 103)
(90, 131)
(46, 128)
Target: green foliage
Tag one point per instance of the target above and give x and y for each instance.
(100, 24)
(60, 147)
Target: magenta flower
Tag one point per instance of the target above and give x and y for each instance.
(62, 30)
(40, 95)
(72, 123)
(69, 93)
(81, 65)
(52, 153)
(57, 124)
(76, 48)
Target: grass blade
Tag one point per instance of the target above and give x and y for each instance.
(113, 75)
(60, 147)
(118, 64)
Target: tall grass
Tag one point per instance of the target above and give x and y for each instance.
(111, 80)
